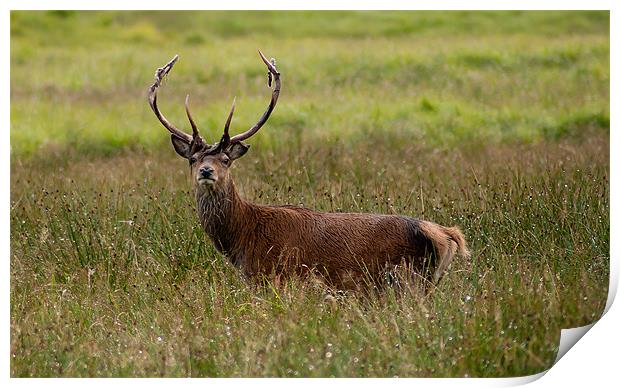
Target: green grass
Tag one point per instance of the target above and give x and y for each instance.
(78, 82)
(494, 121)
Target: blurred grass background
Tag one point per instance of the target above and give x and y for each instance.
(497, 122)
(78, 80)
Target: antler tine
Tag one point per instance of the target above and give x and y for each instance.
(191, 120)
(270, 65)
(226, 136)
(152, 95)
(225, 140)
(274, 99)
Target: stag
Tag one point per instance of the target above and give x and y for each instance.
(274, 242)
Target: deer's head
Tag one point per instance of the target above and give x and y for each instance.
(210, 163)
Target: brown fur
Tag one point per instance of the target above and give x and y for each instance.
(346, 249)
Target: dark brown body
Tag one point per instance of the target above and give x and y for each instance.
(346, 249)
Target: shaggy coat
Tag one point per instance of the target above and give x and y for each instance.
(347, 249)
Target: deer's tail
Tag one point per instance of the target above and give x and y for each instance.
(456, 235)
(447, 241)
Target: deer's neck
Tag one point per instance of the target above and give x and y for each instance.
(223, 215)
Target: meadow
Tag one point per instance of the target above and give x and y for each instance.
(497, 122)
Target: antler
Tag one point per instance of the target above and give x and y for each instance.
(195, 133)
(263, 119)
(159, 76)
(226, 140)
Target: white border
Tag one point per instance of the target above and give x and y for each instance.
(314, 5)
(5, 116)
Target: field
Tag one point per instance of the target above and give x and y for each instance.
(497, 122)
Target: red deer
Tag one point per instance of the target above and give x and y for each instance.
(265, 241)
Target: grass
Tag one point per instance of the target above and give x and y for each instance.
(497, 122)
(87, 90)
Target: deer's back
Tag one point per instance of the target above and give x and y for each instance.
(285, 238)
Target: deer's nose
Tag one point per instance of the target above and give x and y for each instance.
(206, 172)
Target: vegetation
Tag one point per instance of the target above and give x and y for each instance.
(494, 121)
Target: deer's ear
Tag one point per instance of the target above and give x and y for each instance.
(180, 146)
(237, 150)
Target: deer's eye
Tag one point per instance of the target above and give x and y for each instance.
(225, 161)
(192, 160)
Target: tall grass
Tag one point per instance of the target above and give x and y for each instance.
(112, 276)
